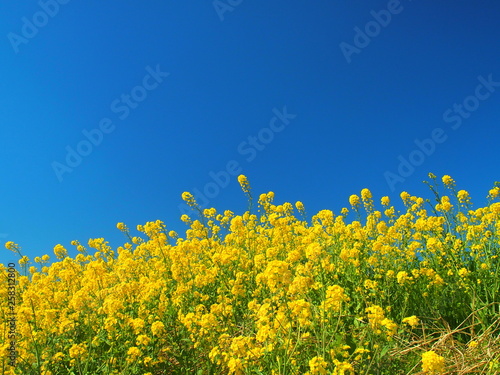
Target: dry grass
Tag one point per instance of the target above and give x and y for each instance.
(480, 355)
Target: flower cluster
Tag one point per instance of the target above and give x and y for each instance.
(432, 363)
(264, 291)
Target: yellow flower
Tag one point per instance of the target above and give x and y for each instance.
(142, 340)
(462, 272)
(300, 310)
(300, 206)
(317, 365)
(405, 196)
(313, 251)
(390, 326)
(186, 196)
(375, 315)
(137, 324)
(12, 246)
(235, 366)
(58, 357)
(412, 321)
(366, 194)
(493, 193)
(157, 328)
(245, 185)
(463, 196)
(189, 199)
(121, 226)
(432, 363)
(447, 180)
(473, 344)
(354, 200)
(77, 351)
(445, 205)
(385, 201)
(133, 353)
(438, 280)
(60, 251)
(402, 277)
(342, 368)
(370, 284)
(382, 227)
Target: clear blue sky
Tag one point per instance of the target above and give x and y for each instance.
(331, 94)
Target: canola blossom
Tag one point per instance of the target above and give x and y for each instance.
(269, 292)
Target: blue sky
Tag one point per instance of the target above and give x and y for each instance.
(314, 101)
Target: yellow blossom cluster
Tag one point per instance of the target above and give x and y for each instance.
(262, 292)
(432, 363)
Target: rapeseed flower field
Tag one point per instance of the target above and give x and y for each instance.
(267, 292)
